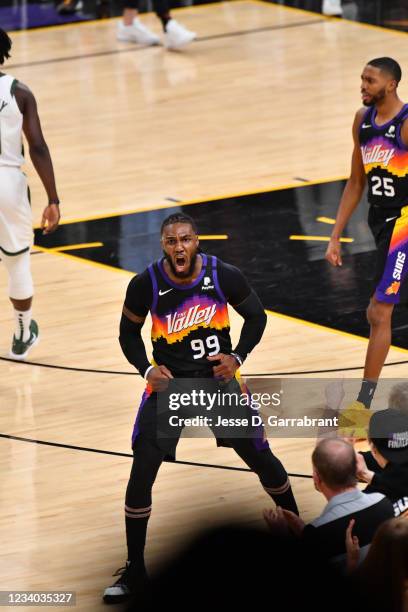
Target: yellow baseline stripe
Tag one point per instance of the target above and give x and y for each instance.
(73, 247)
(319, 238)
(213, 237)
(327, 220)
(329, 18)
(223, 196)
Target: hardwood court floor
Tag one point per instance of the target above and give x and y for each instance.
(264, 96)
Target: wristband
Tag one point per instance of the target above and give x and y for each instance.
(147, 371)
(56, 202)
(238, 358)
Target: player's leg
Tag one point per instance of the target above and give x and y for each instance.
(21, 296)
(131, 29)
(147, 458)
(379, 316)
(176, 35)
(390, 289)
(269, 470)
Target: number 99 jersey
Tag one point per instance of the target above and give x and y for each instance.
(385, 159)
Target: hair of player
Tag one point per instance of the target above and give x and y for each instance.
(5, 46)
(389, 65)
(398, 399)
(179, 218)
(335, 462)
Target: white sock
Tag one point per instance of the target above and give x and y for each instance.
(23, 320)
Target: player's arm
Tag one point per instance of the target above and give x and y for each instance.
(246, 302)
(351, 195)
(40, 155)
(137, 304)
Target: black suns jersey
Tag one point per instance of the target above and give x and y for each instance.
(189, 322)
(385, 159)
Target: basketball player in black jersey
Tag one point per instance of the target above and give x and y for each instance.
(380, 159)
(186, 292)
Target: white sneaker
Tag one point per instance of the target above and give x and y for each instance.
(137, 33)
(332, 8)
(177, 36)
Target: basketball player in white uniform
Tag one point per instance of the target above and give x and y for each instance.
(18, 114)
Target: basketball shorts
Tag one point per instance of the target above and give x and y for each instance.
(390, 231)
(16, 222)
(150, 416)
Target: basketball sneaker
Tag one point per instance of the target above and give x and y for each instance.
(137, 33)
(19, 348)
(131, 581)
(332, 8)
(177, 36)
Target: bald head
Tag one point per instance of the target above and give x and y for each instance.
(335, 462)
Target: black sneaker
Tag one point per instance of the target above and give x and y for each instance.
(131, 580)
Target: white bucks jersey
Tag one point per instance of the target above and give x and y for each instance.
(11, 125)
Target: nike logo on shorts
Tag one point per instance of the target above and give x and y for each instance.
(164, 292)
(391, 218)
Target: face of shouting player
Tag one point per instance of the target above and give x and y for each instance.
(375, 85)
(180, 247)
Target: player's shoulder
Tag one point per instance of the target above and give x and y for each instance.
(23, 94)
(223, 265)
(140, 281)
(358, 117)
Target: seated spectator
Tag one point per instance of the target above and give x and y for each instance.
(382, 578)
(334, 475)
(398, 400)
(388, 438)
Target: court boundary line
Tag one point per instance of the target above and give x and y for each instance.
(203, 200)
(327, 18)
(129, 455)
(97, 54)
(102, 21)
(54, 366)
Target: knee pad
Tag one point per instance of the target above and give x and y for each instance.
(19, 273)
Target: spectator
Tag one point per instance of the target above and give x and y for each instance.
(334, 475)
(388, 438)
(383, 575)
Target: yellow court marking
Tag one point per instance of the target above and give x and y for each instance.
(213, 237)
(203, 200)
(328, 18)
(319, 238)
(73, 247)
(327, 220)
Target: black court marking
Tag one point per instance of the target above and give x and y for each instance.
(72, 58)
(253, 375)
(291, 277)
(129, 455)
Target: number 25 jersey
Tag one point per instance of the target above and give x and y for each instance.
(385, 159)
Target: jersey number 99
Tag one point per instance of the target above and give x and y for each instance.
(199, 347)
